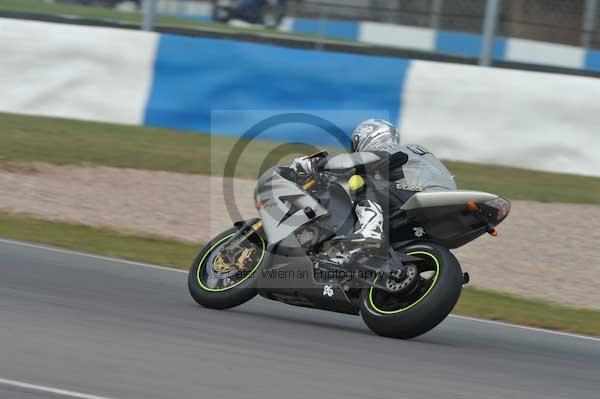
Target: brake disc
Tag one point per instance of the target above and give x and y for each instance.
(245, 256)
(400, 281)
(220, 266)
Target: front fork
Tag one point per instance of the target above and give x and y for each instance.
(247, 229)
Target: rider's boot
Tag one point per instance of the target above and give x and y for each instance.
(370, 220)
(367, 239)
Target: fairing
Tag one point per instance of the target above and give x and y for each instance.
(285, 206)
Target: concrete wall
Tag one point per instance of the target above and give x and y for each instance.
(540, 121)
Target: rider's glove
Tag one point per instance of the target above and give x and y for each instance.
(304, 165)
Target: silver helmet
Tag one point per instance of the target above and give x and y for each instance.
(375, 135)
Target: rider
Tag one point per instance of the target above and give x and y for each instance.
(404, 170)
(382, 138)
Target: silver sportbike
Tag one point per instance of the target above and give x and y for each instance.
(295, 252)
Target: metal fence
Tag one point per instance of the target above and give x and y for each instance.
(573, 22)
(570, 22)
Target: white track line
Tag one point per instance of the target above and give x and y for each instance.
(543, 330)
(51, 390)
(128, 262)
(70, 252)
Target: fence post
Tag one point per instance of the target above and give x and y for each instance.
(492, 8)
(436, 14)
(322, 30)
(589, 22)
(149, 11)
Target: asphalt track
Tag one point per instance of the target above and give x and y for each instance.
(78, 326)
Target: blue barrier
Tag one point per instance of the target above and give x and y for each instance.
(592, 60)
(467, 44)
(347, 30)
(194, 76)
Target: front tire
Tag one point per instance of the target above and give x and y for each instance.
(222, 296)
(429, 307)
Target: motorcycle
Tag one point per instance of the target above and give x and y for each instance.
(401, 289)
(269, 14)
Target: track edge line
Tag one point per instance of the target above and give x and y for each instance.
(50, 390)
(87, 255)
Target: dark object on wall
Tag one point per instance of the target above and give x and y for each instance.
(269, 13)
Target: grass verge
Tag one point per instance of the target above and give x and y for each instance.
(494, 305)
(474, 302)
(105, 242)
(60, 141)
(41, 7)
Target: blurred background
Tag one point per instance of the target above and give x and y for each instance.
(541, 32)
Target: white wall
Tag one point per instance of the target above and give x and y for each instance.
(527, 119)
(70, 71)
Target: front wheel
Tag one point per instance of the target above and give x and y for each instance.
(221, 281)
(425, 305)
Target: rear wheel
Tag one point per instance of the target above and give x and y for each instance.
(217, 282)
(424, 304)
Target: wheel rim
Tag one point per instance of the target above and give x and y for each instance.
(376, 295)
(222, 278)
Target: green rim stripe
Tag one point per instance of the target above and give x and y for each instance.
(239, 282)
(437, 273)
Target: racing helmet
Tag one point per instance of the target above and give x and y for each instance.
(374, 135)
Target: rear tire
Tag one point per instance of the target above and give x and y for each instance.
(428, 311)
(223, 298)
